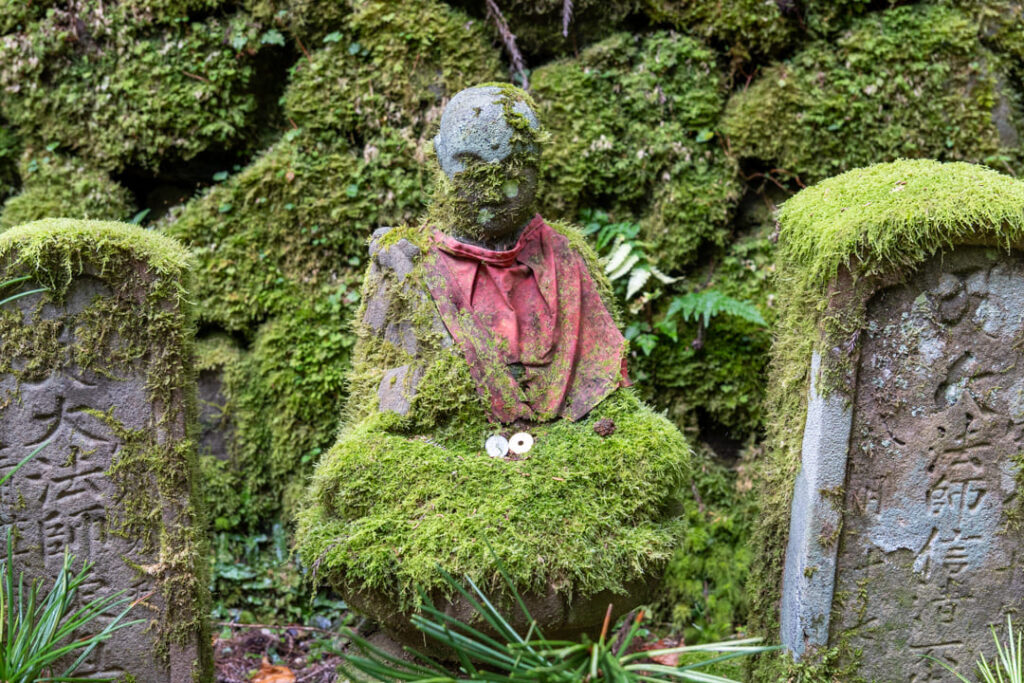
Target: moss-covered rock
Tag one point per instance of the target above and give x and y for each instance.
(390, 68)
(291, 225)
(308, 21)
(880, 222)
(653, 154)
(120, 89)
(55, 186)
(748, 27)
(539, 25)
(908, 82)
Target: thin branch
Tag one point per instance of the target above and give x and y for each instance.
(566, 17)
(509, 39)
(195, 76)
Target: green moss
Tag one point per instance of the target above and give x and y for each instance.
(748, 27)
(57, 186)
(908, 82)
(721, 372)
(704, 589)
(878, 222)
(640, 157)
(308, 21)
(121, 90)
(393, 67)
(144, 322)
(581, 513)
(278, 433)
(539, 28)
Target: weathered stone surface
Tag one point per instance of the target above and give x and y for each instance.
(474, 125)
(71, 496)
(808, 579)
(925, 563)
(398, 388)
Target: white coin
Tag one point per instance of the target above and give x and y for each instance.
(520, 443)
(497, 446)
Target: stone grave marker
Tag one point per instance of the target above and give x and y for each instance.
(901, 546)
(99, 369)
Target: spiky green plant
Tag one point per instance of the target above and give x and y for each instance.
(1009, 667)
(40, 628)
(511, 656)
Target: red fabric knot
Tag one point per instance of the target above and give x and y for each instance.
(536, 306)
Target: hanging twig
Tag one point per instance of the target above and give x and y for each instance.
(509, 39)
(566, 17)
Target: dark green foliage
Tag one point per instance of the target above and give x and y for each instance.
(704, 589)
(908, 82)
(54, 185)
(256, 580)
(632, 128)
(120, 89)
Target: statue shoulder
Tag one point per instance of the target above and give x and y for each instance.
(397, 249)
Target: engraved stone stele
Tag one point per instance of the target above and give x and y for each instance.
(99, 369)
(899, 545)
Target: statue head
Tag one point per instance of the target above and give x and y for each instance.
(489, 150)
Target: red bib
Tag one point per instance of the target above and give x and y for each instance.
(535, 305)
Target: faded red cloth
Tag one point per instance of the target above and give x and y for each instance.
(535, 305)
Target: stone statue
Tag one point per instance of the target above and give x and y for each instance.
(490, 417)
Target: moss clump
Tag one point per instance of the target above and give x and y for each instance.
(876, 223)
(539, 24)
(748, 27)
(278, 435)
(653, 155)
(118, 88)
(291, 225)
(55, 185)
(308, 21)
(143, 323)
(908, 82)
(581, 513)
(391, 68)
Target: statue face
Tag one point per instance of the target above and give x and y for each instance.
(488, 150)
(497, 197)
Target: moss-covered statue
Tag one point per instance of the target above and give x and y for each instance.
(490, 408)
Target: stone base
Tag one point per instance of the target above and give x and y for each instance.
(558, 617)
